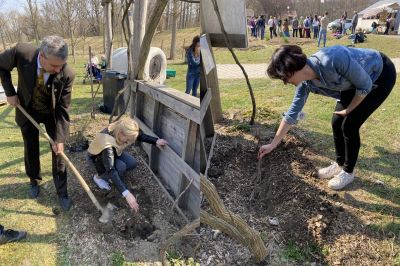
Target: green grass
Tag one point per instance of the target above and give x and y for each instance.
(389, 45)
(45, 244)
(292, 252)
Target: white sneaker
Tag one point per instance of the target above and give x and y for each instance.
(101, 183)
(329, 171)
(341, 180)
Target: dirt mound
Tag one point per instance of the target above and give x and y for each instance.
(296, 214)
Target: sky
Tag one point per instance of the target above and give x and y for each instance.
(10, 5)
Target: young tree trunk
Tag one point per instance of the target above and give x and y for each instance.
(107, 4)
(174, 27)
(139, 28)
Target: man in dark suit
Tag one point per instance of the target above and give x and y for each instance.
(44, 90)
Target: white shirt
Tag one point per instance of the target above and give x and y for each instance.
(46, 75)
(315, 23)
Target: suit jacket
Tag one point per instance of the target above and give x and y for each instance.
(23, 56)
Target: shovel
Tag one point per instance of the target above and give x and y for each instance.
(106, 211)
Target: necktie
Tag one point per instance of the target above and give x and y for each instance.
(41, 77)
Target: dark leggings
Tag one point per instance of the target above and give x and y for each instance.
(346, 132)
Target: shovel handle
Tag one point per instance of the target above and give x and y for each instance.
(69, 163)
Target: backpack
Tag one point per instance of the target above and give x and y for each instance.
(307, 23)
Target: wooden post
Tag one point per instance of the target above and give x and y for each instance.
(212, 83)
(108, 30)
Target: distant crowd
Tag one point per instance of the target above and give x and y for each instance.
(315, 27)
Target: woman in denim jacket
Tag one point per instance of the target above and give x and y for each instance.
(359, 79)
(193, 73)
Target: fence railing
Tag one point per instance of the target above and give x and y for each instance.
(174, 116)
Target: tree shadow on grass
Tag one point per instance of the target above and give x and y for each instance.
(4, 114)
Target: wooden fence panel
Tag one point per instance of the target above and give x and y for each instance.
(175, 116)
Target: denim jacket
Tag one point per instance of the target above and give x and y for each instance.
(193, 63)
(339, 69)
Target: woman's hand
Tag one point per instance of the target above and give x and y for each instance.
(264, 150)
(161, 143)
(341, 113)
(132, 202)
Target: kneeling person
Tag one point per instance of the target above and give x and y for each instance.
(107, 154)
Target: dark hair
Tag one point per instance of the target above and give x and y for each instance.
(285, 61)
(195, 41)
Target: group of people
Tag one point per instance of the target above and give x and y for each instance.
(45, 83)
(301, 27)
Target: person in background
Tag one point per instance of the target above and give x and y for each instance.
(315, 27)
(7, 236)
(271, 27)
(301, 27)
(277, 28)
(387, 25)
(295, 27)
(324, 29)
(261, 26)
(193, 73)
(279, 25)
(307, 26)
(286, 28)
(343, 24)
(103, 63)
(354, 22)
(358, 79)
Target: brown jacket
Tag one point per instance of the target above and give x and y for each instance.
(23, 56)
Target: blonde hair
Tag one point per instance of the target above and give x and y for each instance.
(126, 126)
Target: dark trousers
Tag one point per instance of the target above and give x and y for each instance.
(295, 32)
(346, 132)
(301, 32)
(271, 32)
(316, 32)
(31, 154)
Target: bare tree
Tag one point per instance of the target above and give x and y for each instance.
(32, 9)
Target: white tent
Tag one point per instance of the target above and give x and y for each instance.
(369, 15)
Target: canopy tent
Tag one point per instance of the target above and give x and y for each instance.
(378, 8)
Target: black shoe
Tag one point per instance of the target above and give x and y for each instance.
(65, 203)
(11, 236)
(34, 191)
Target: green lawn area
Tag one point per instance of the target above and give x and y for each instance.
(259, 54)
(379, 157)
(45, 244)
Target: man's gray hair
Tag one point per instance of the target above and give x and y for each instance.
(54, 45)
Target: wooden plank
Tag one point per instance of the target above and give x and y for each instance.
(194, 201)
(153, 157)
(205, 104)
(139, 104)
(196, 165)
(212, 82)
(178, 95)
(188, 154)
(147, 111)
(176, 160)
(178, 105)
(172, 128)
(203, 156)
